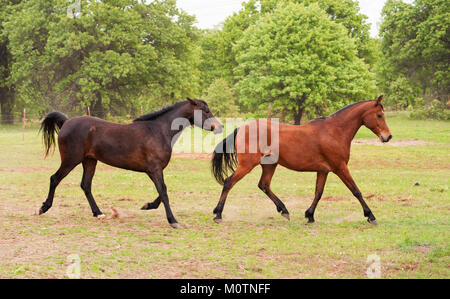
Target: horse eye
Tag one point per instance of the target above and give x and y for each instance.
(379, 115)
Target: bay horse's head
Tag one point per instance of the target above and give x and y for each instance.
(374, 119)
(202, 117)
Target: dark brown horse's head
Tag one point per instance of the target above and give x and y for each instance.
(202, 117)
(374, 119)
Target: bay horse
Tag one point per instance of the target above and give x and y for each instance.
(321, 145)
(145, 145)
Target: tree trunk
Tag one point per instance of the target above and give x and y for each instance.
(6, 104)
(298, 111)
(98, 110)
(6, 93)
(298, 114)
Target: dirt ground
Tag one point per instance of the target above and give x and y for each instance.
(409, 197)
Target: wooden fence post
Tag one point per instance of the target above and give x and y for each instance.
(23, 124)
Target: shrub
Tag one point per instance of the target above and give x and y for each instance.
(436, 110)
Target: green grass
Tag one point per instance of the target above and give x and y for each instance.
(253, 241)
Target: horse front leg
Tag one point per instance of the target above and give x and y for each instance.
(320, 184)
(344, 174)
(158, 180)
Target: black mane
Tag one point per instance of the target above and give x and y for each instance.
(343, 109)
(155, 114)
(348, 106)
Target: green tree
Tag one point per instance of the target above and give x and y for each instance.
(106, 57)
(402, 94)
(220, 98)
(415, 45)
(345, 12)
(7, 97)
(209, 64)
(300, 61)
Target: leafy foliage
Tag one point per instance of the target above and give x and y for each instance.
(110, 54)
(220, 98)
(402, 94)
(7, 100)
(416, 47)
(301, 61)
(345, 12)
(121, 56)
(435, 110)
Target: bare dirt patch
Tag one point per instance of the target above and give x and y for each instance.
(425, 249)
(332, 198)
(25, 170)
(404, 142)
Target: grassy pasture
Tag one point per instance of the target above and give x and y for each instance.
(412, 240)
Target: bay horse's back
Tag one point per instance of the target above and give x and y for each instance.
(264, 141)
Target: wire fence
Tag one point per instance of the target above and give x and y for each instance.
(33, 117)
(18, 118)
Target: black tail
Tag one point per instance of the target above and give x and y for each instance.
(224, 153)
(49, 126)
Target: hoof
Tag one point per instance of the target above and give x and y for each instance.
(218, 220)
(101, 217)
(145, 207)
(286, 215)
(310, 221)
(38, 212)
(174, 225)
(373, 222)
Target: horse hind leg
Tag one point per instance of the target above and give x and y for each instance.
(241, 171)
(264, 185)
(152, 205)
(55, 179)
(89, 166)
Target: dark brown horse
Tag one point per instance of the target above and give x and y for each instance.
(144, 145)
(321, 145)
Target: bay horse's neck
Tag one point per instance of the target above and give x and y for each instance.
(349, 121)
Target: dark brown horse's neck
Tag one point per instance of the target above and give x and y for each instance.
(349, 122)
(166, 120)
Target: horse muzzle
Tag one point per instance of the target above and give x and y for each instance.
(385, 138)
(216, 128)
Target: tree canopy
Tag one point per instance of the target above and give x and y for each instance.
(220, 98)
(299, 60)
(415, 46)
(300, 57)
(106, 56)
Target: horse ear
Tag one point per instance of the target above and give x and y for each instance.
(191, 101)
(380, 98)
